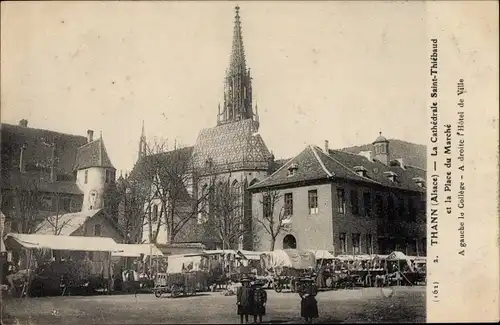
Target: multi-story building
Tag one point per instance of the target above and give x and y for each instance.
(346, 203)
(47, 173)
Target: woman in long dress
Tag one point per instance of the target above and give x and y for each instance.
(309, 304)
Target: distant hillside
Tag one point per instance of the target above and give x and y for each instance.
(412, 154)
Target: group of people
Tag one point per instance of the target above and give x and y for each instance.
(251, 299)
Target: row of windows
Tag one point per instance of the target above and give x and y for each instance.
(110, 176)
(392, 210)
(357, 243)
(368, 210)
(312, 198)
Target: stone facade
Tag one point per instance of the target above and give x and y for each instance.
(354, 216)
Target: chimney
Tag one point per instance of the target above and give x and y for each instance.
(23, 123)
(326, 147)
(367, 155)
(90, 135)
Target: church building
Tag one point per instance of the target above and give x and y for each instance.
(230, 152)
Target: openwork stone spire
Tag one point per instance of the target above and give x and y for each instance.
(238, 82)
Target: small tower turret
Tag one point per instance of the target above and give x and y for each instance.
(381, 145)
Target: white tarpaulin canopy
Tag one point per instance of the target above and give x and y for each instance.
(178, 263)
(221, 252)
(356, 257)
(322, 254)
(61, 243)
(250, 255)
(135, 250)
(396, 255)
(291, 258)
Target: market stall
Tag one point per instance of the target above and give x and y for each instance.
(56, 263)
(287, 265)
(131, 276)
(186, 274)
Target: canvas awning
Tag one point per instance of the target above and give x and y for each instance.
(221, 252)
(397, 255)
(363, 257)
(135, 250)
(250, 255)
(322, 254)
(60, 243)
(291, 258)
(178, 263)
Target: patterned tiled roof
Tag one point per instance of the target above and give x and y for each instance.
(313, 164)
(235, 145)
(92, 154)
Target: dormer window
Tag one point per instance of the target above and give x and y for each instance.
(419, 181)
(392, 176)
(292, 169)
(360, 170)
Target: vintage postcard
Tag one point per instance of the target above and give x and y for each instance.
(184, 162)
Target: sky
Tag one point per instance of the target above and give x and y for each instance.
(337, 71)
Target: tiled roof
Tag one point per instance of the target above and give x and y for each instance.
(41, 148)
(313, 164)
(38, 148)
(140, 170)
(92, 154)
(68, 223)
(234, 145)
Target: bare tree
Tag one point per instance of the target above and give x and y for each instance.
(226, 219)
(267, 220)
(168, 176)
(27, 199)
(124, 206)
(57, 222)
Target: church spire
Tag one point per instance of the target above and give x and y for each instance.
(238, 83)
(142, 144)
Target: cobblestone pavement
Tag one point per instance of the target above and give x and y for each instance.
(399, 304)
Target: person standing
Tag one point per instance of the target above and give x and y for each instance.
(244, 300)
(260, 300)
(309, 304)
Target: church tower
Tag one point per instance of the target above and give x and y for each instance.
(238, 82)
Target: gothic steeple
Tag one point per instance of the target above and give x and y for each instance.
(142, 144)
(238, 83)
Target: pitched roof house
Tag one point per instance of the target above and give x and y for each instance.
(338, 200)
(60, 172)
